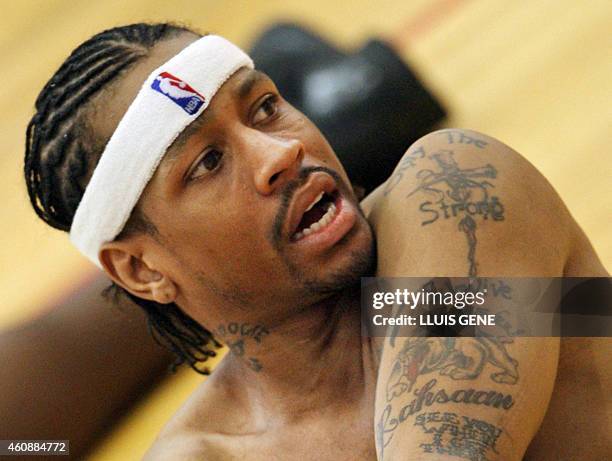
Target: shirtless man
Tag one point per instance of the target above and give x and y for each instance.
(225, 229)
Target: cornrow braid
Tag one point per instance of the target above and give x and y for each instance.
(60, 155)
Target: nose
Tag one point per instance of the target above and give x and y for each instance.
(278, 161)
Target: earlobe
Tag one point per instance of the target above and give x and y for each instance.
(163, 290)
(127, 269)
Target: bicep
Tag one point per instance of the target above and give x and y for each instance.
(469, 398)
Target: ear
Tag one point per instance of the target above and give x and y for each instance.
(127, 267)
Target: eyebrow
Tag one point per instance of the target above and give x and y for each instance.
(244, 90)
(253, 77)
(175, 149)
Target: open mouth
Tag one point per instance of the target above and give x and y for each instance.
(321, 211)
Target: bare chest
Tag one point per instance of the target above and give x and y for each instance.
(339, 440)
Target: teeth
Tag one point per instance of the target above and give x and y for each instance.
(320, 224)
(315, 201)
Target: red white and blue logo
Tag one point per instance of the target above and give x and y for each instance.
(179, 92)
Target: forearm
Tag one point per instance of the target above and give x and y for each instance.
(66, 374)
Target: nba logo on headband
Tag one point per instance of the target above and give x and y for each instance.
(179, 92)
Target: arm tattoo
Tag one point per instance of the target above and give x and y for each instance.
(453, 192)
(408, 161)
(429, 395)
(459, 137)
(450, 192)
(458, 193)
(458, 358)
(459, 436)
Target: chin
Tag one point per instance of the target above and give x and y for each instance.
(354, 258)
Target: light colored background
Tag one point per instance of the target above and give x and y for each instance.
(534, 73)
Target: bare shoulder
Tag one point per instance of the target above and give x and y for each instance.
(458, 191)
(181, 439)
(192, 432)
(184, 446)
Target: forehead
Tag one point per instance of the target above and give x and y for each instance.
(237, 88)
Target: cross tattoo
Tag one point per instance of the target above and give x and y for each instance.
(459, 181)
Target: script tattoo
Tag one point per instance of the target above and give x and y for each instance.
(459, 137)
(426, 396)
(235, 334)
(408, 161)
(457, 358)
(459, 193)
(459, 436)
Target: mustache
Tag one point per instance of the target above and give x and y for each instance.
(287, 195)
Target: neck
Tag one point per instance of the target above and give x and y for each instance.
(315, 359)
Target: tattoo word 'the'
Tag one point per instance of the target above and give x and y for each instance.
(459, 137)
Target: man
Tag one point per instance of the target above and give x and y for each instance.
(249, 224)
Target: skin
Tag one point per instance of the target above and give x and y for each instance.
(263, 158)
(63, 359)
(300, 374)
(535, 236)
(193, 223)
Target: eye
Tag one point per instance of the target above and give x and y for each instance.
(207, 163)
(267, 109)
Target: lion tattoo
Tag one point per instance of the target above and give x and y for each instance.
(458, 358)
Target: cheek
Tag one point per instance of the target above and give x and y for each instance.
(322, 152)
(225, 241)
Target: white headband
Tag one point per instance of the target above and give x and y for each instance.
(172, 97)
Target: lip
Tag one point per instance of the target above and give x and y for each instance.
(317, 183)
(334, 231)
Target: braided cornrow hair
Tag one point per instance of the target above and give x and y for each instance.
(61, 154)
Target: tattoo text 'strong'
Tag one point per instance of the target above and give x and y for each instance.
(452, 192)
(462, 191)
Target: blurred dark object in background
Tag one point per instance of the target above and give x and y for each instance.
(368, 103)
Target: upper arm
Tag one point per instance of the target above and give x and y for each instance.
(469, 398)
(463, 204)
